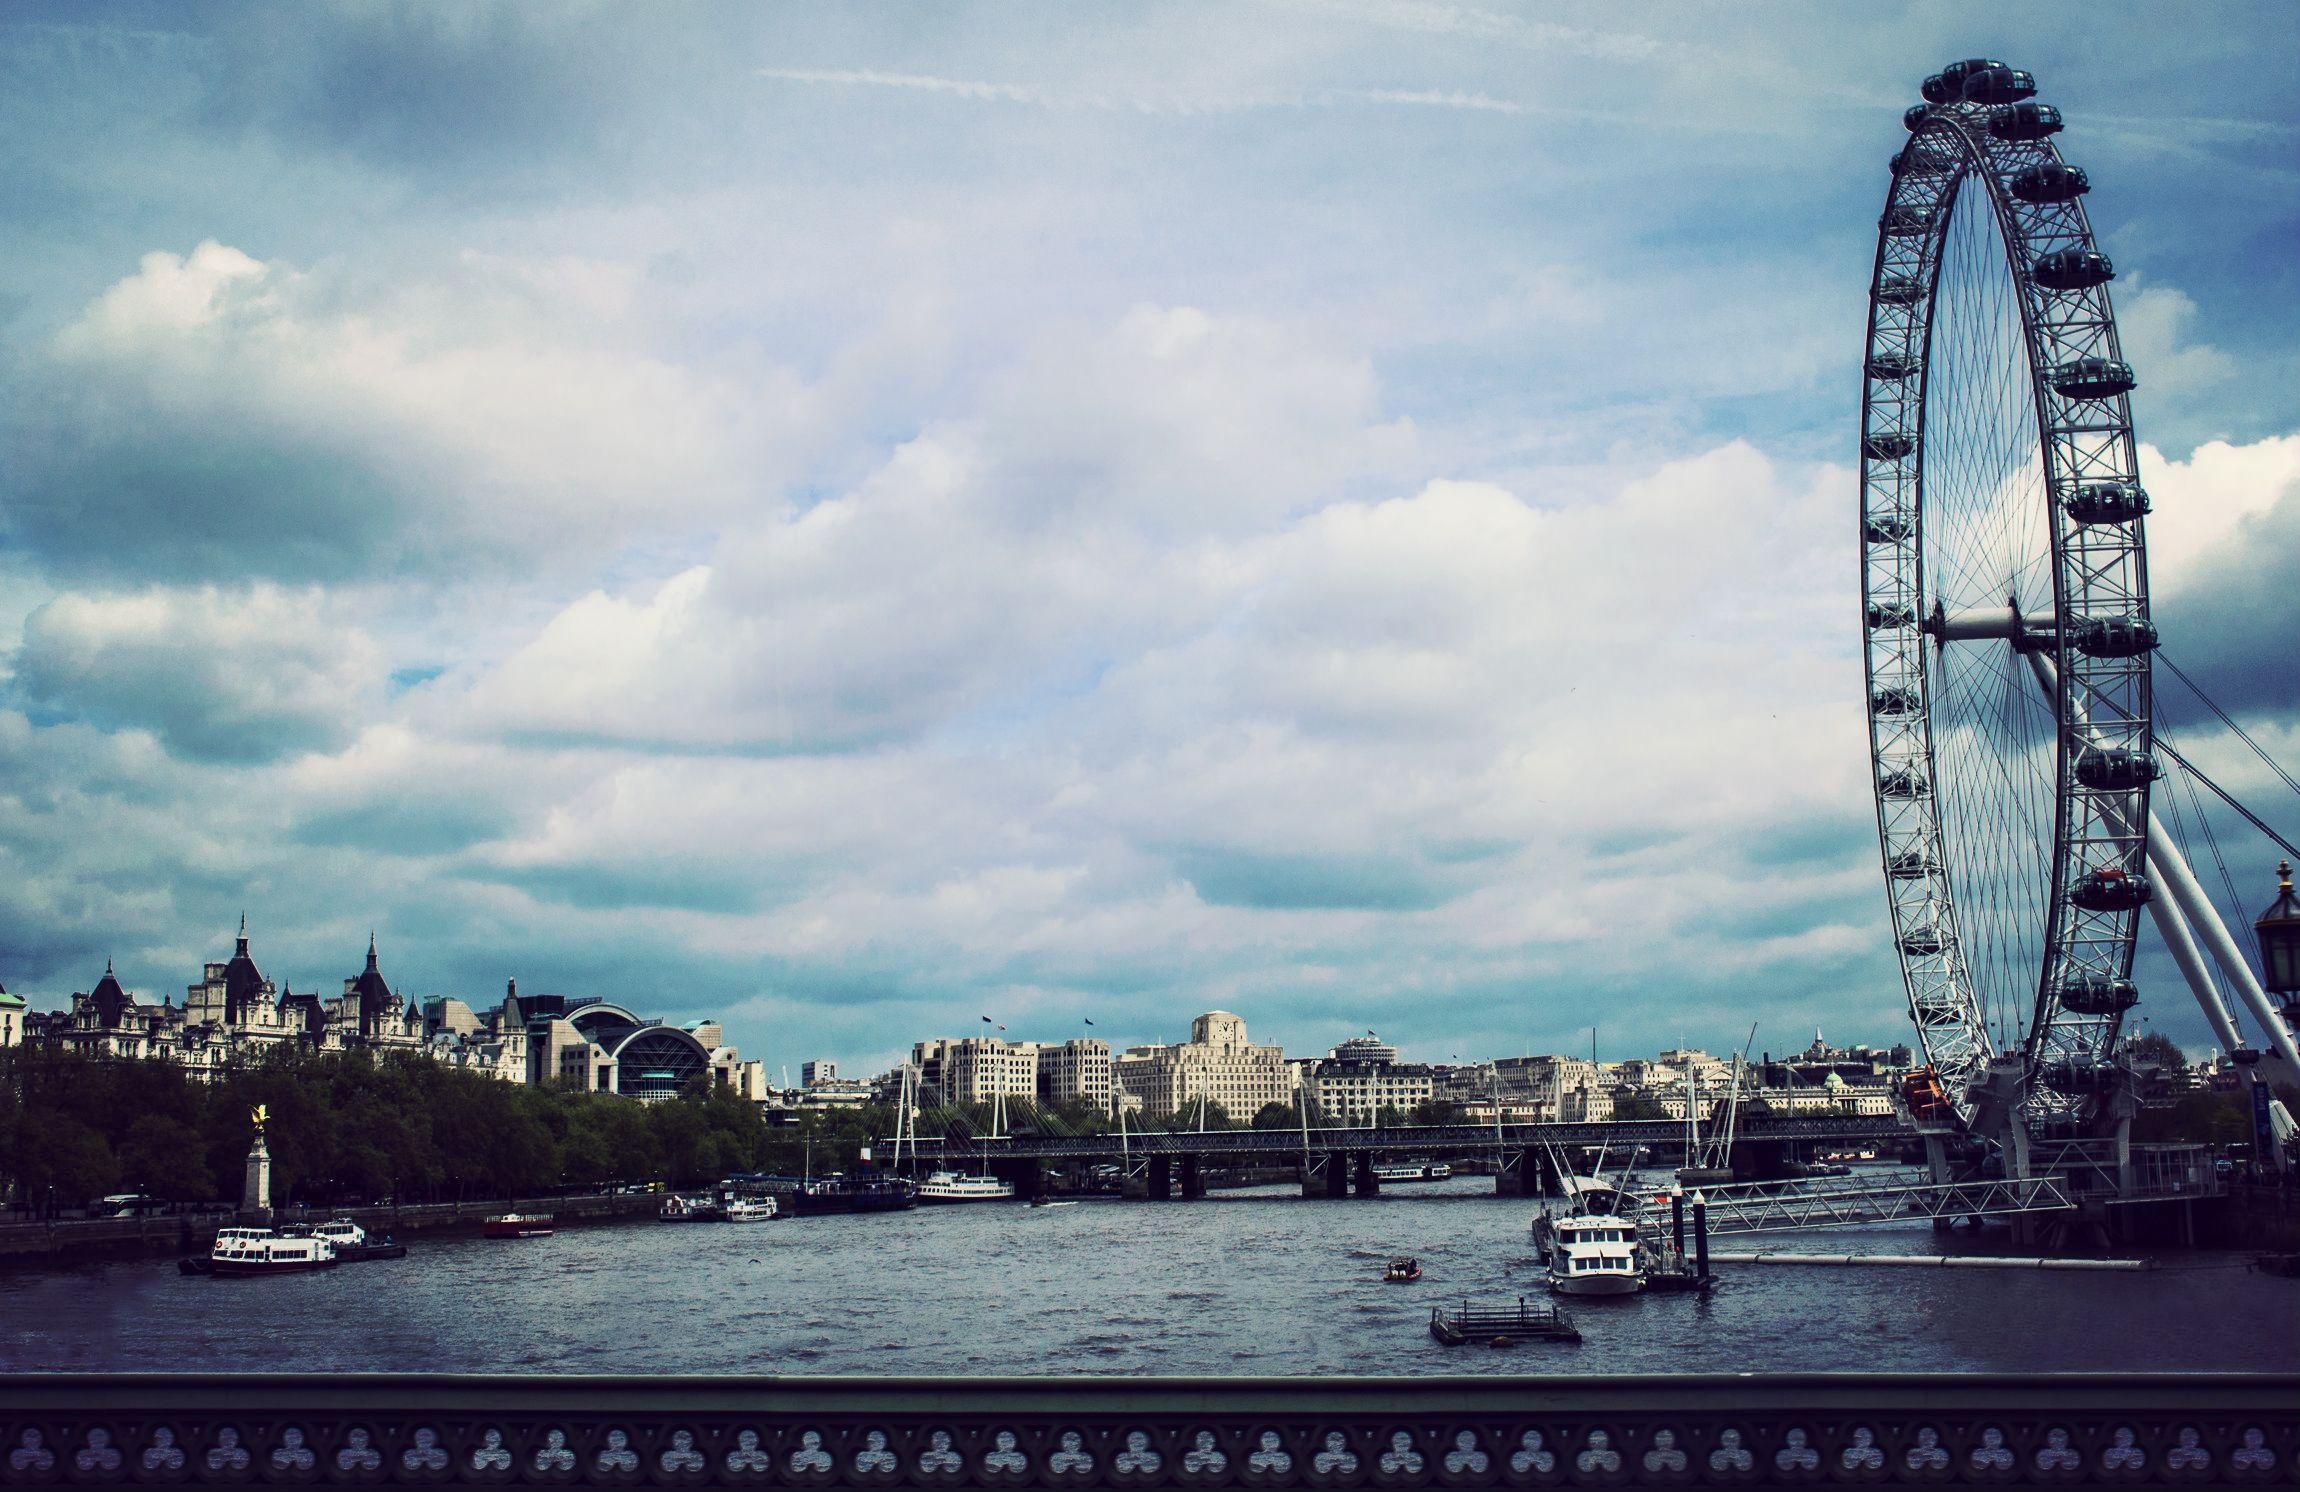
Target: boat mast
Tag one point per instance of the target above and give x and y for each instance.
(1692, 1111)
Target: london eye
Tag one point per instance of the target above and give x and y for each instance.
(2006, 618)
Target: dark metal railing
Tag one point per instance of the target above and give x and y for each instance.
(1177, 1432)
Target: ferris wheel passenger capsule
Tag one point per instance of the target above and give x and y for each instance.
(1887, 445)
(2024, 121)
(1911, 865)
(1904, 783)
(1896, 699)
(2114, 769)
(2096, 994)
(1921, 942)
(2092, 378)
(2051, 182)
(2077, 1075)
(2073, 269)
(1906, 220)
(1936, 90)
(2107, 502)
(1954, 75)
(1999, 85)
(1910, 160)
(2113, 889)
(2115, 636)
(1913, 118)
(1885, 528)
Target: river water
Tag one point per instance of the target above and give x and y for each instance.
(1249, 1283)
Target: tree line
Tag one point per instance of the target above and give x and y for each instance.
(345, 1128)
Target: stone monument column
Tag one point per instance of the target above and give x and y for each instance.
(256, 1201)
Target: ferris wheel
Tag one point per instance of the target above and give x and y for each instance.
(2005, 601)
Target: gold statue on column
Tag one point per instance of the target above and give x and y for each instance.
(260, 1113)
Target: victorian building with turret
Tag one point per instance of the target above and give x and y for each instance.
(232, 1016)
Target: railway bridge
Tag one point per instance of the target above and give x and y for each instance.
(1337, 1162)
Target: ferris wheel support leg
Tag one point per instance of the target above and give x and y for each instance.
(2182, 943)
(2172, 868)
(2169, 868)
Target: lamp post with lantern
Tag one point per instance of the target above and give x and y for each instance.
(2278, 929)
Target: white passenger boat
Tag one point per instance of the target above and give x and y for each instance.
(951, 1186)
(240, 1251)
(1593, 1254)
(1436, 1170)
(747, 1209)
(344, 1234)
(1593, 1248)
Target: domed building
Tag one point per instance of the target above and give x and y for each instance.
(604, 1047)
(234, 1015)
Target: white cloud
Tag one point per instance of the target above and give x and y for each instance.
(260, 418)
(242, 675)
(987, 561)
(2201, 509)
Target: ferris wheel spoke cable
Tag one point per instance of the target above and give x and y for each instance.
(2211, 842)
(2224, 796)
(2223, 716)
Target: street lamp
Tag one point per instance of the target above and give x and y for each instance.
(2279, 930)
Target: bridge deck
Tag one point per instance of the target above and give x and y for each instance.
(1444, 1139)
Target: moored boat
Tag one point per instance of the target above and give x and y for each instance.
(355, 1245)
(835, 1194)
(952, 1186)
(1436, 1170)
(1594, 1254)
(253, 1251)
(748, 1209)
(517, 1225)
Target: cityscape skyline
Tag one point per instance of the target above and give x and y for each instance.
(841, 526)
(874, 1062)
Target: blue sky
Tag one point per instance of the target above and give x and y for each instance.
(848, 520)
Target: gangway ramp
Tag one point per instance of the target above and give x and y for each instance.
(1846, 1202)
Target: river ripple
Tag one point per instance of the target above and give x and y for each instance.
(1258, 1283)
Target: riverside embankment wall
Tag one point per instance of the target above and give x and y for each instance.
(75, 1238)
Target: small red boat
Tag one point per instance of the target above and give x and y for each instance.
(514, 1225)
(1402, 1271)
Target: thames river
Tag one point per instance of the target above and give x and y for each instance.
(1250, 1283)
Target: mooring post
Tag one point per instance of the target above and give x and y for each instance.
(1700, 1237)
(1677, 1224)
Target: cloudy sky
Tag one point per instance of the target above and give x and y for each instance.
(854, 519)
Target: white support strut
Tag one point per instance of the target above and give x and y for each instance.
(2169, 869)
(2182, 944)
